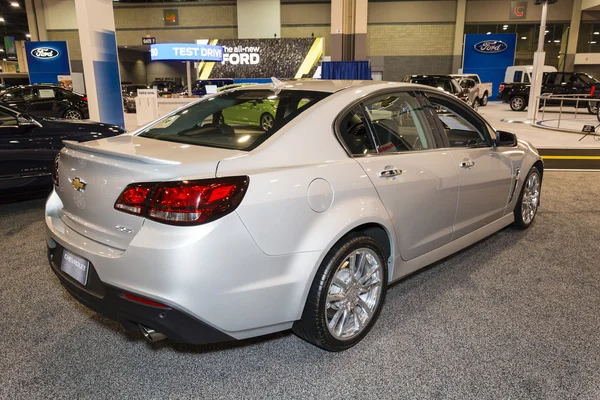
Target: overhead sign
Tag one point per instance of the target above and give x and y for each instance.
(518, 10)
(186, 52)
(489, 56)
(148, 40)
(491, 46)
(264, 58)
(171, 17)
(47, 61)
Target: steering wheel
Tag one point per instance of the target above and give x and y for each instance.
(355, 128)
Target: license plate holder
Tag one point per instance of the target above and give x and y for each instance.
(74, 266)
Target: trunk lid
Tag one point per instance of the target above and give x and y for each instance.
(101, 169)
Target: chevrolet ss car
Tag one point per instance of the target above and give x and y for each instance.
(202, 231)
(29, 146)
(47, 101)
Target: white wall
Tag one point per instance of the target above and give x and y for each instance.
(258, 19)
(60, 14)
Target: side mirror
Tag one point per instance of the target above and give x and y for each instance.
(506, 139)
(26, 120)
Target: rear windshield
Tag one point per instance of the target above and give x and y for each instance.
(239, 120)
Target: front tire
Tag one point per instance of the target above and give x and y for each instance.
(346, 296)
(484, 100)
(518, 103)
(529, 199)
(592, 108)
(73, 114)
(476, 103)
(266, 121)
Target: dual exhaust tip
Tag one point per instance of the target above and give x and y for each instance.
(151, 334)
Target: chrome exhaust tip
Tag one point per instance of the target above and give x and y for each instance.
(151, 334)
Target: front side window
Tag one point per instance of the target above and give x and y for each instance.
(461, 128)
(239, 120)
(46, 93)
(518, 77)
(399, 123)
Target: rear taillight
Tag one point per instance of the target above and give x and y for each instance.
(184, 202)
(592, 91)
(84, 99)
(501, 87)
(144, 301)
(55, 170)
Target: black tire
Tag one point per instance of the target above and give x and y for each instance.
(520, 222)
(518, 103)
(476, 104)
(73, 113)
(592, 108)
(312, 326)
(484, 100)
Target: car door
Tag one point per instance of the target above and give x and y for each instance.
(46, 102)
(391, 138)
(20, 99)
(24, 154)
(484, 173)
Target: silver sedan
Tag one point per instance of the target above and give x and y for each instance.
(202, 230)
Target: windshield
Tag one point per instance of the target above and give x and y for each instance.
(240, 120)
(587, 79)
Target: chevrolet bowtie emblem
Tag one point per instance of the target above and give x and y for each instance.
(78, 184)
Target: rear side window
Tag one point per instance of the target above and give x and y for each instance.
(518, 77)
(239, 120)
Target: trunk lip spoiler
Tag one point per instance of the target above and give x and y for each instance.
(70, 144)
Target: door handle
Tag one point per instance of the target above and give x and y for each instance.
(467, 164)
(390, 173)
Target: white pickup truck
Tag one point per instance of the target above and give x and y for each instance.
(485, 89)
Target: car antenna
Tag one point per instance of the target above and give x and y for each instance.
(276, 85)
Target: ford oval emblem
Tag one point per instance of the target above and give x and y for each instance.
(45, 53)
(491, 46)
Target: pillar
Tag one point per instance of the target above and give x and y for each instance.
(349, 30)
(36, 20)
(96, 26)
(459, 35)
(569, 63)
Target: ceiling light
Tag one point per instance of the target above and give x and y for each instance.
(523, 37)
(1, 19)
(593, 42)
(1, 50)
(489, 33)
(505, 26)
(27, 35)
(4, 59)
(504, 29)
(546, 31)
(557, 41)
(14, 4)
(596, 33)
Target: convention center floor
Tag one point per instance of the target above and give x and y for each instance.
(512, 317)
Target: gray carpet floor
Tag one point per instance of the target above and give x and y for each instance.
(517, 316)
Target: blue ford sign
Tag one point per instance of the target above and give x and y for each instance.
(186, 52)
(491, 46)
(45, 53)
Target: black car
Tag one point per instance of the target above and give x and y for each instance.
(29, 146)
(199, 87)
(129, 95)
(556, 84)
(47, 101)
(444, 82)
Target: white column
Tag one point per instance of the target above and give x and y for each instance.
(539, 59)
(96, 25)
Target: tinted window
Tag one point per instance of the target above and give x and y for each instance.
(7, 119)
(238, 120)
(587, 79)
(518, 77)
(20, 94)
(399, 123)
(354, 132)
(461, 127)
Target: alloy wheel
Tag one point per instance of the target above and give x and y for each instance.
(354, 294)
(517, 103)
(266, 122)
(73, 114)
(531, 198)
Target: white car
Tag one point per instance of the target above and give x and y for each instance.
(484, 88)
(203, 231)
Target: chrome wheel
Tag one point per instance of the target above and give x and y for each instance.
(73, 114)
(484, 101)
(354, 294)
(517, 103)
(266, 122)
(531, 198)
(476, 104)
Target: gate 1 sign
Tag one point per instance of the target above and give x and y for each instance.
(185, 52)
(489, 56)
(46, 61)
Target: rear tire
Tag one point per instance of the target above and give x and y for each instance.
(529, 199)
(73, 114)
(484, 100)
(476, 104)
(592, 108)
(339, 310)
(518, 103)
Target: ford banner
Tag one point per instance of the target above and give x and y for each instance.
(489, 56)
(46, 61)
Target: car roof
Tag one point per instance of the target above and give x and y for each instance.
(328, 86)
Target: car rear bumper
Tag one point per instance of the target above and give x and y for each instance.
(213, 274)
(110, 302)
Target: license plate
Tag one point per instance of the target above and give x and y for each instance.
(75, 266)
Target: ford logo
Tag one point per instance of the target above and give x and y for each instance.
(45, 53)
(491, 46)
